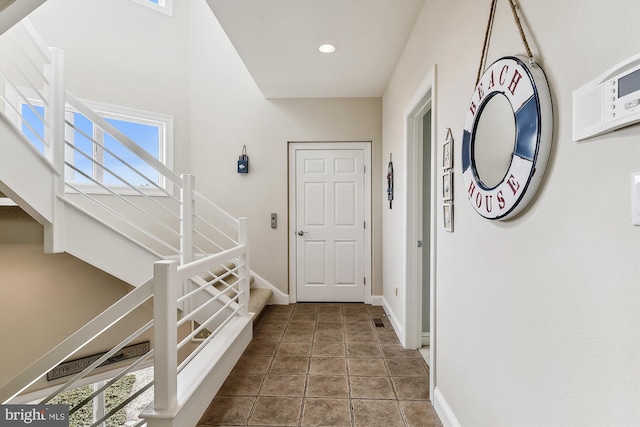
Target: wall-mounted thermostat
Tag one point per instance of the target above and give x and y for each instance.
(610, 102)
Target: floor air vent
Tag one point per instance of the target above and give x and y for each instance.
(378, 322)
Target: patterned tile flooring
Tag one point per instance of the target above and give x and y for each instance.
(324, 365)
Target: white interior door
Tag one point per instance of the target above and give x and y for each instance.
(330, 225)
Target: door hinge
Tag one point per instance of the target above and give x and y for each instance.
(419, 243)
(365, 225)
(364, 281)
(364, 168)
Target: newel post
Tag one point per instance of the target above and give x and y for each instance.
(187, 207)
(245, 284)
(55, 148)
(165, 318)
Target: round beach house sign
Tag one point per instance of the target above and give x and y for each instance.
(525, 87)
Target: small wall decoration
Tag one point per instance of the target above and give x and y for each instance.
(447, 181)
(447, 186)
(447, 216)
(243, 161)
(390, 182)
(76, 366)
(447, 151)
(523, 83)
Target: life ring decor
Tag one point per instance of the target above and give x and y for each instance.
(525, 87)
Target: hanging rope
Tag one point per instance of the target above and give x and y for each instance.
(487, 36)
(524, 38)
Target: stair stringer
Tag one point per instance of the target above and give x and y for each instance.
(277, 296)
(26, 177)
(95, 243)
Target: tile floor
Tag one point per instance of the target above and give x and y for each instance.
(324, 365)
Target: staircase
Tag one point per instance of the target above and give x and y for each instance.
(259, 297)
(176, 248)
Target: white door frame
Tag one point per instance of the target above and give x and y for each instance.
(293, 238)
(423, 100)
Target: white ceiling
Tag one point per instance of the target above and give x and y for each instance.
(278, 41)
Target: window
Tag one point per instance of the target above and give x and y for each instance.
(162, 6)
(114, 164)
(33, 125)
(107, 161)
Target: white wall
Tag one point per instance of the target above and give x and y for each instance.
(228, 111)
(538, 319)
(123, 53)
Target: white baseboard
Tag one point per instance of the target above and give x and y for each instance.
(443, 410)
(377, 300)
(278, 297)
(426, 338)
(397, 326)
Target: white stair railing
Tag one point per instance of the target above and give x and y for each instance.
(166, 341)
(34, 100)
(25, 81)
(167, 217)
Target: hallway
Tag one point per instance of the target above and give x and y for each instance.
(324, 365)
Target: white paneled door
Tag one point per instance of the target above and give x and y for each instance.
(330, 225)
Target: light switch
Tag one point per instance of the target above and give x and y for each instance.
(635, 198)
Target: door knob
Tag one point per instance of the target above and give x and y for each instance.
(301, 233)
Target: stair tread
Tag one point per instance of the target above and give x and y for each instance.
(259, 298)
(222, 269)
(229, 279)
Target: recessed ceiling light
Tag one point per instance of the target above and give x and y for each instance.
(327, 48)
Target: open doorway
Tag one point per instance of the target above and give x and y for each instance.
(422, 177)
